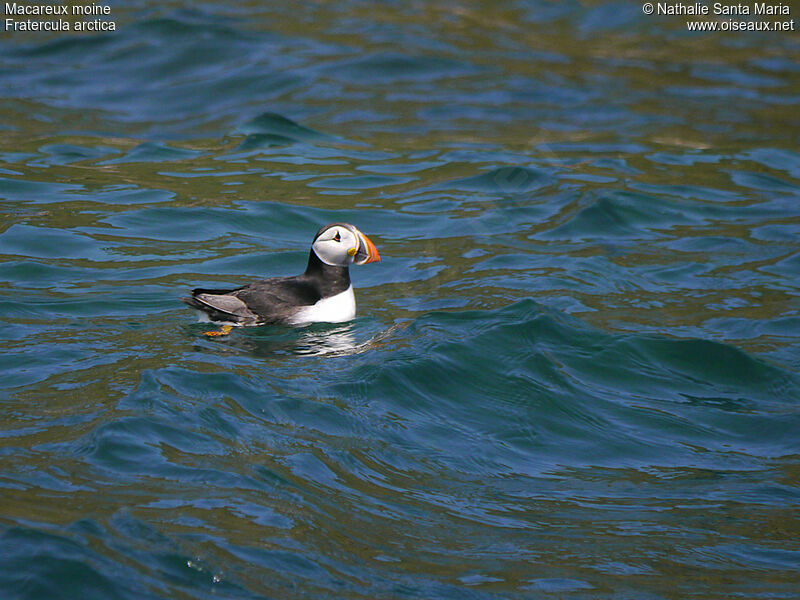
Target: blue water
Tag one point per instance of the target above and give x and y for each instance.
(574, 374)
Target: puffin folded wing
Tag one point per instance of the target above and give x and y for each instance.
(277, 300)
(222, 305)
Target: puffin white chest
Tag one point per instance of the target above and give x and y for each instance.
(335, 309)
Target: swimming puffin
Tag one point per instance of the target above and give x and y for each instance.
(322, 294)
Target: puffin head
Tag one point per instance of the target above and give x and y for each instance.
(341, 244)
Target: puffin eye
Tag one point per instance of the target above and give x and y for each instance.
(337, 237)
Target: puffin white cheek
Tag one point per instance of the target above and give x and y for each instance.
(331, 253)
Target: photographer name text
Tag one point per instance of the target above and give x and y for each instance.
(718, 8)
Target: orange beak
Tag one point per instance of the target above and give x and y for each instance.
(366, 251)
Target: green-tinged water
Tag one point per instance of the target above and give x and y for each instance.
(574, 374)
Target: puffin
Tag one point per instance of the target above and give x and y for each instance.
(323, 294)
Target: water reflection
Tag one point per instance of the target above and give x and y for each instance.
(321, 339)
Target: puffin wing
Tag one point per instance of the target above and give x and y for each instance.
(277, 300)
(221, 305)
(273, 300)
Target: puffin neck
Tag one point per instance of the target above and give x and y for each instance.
(330, 279)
